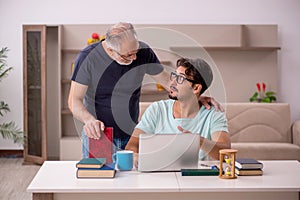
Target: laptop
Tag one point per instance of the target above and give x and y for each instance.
(168, 152)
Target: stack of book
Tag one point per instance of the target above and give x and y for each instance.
(95, 168)
(248, 167)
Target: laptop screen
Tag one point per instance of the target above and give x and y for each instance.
(168, 152)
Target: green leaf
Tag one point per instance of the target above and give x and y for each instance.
(266, 100)
(254, 97)
(3, 65)
(3, 54)
(11, 131)
(272, 98)
(270, 93)
(3, 107)
(5, 73)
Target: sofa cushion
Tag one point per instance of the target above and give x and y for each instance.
(267, 151)
(259, 122)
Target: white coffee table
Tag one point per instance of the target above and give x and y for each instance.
(57, 180)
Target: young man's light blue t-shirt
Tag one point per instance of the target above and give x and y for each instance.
(158, 118)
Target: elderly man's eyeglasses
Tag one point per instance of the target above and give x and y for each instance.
(179, 78)
(126, 57)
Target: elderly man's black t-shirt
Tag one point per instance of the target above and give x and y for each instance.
(114, 90)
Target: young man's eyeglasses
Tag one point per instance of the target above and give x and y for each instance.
(179, 78)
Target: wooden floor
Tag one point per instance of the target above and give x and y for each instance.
(15, 178)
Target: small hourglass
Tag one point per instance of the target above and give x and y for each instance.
(229, 156)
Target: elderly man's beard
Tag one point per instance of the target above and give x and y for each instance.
(123, 63)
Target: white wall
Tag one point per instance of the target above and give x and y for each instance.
(14, 13)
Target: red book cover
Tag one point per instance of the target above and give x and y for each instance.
(102, 148)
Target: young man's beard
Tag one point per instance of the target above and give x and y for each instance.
(173, 97)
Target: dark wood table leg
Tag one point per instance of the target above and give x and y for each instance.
(42, 196)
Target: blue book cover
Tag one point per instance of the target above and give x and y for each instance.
(107, 166)
(91, 163)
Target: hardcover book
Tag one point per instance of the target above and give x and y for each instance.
(248, 163)
(102, 148)
(248, 172)
(91, 163)
(106, 171)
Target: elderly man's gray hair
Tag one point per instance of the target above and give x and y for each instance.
(119, 33)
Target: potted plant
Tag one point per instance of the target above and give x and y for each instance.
(262, 95)
(8, 130)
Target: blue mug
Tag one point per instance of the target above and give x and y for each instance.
(123, 160)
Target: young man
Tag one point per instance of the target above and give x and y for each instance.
(183, 113)
(106, 84)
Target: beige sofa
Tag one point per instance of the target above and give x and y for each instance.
(261, 130)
